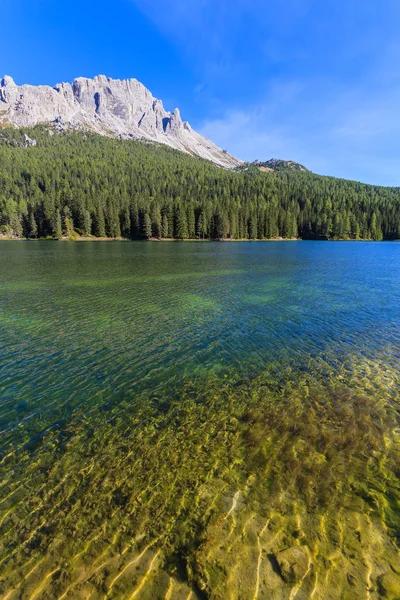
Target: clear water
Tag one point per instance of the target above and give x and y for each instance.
(87, 326)
(84, 323)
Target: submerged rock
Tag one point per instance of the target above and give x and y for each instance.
(389, 586)
(293, 563)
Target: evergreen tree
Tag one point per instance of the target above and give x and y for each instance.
(86, 222)
(147, 230)
(376, 232)
(57, 226)
(165, 226)
(156, 221)
(202, 224)
(220, 225)
(181, 227)
(191, 221)
(32, 226)
(125, 220)
(68, 223)
(99, 224)
(106, 187)
(253, 227)
(135, 220)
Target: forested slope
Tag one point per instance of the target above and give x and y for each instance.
(79, 183)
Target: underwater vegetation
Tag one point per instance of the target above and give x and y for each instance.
(281, 487)
(199, 421)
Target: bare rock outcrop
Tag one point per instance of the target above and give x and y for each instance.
(116, 108)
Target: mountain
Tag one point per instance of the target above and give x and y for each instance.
(275, 164)
(111, 107)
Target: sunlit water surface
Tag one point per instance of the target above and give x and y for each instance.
(88, 323)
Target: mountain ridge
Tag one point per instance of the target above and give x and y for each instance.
(123, 109)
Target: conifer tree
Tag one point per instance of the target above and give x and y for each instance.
(105, 187)
(165, 226)
(32, 226)
(147, 229)
(57, 225)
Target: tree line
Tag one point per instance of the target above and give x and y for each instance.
(84, 184)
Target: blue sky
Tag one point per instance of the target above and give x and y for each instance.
(317, 81)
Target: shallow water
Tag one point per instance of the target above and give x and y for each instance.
(113, 352)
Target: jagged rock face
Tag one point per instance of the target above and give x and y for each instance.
(124, 109)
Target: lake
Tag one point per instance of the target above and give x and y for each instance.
(148, 396)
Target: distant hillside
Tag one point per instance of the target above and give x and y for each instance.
(275, 164)
(77, 183)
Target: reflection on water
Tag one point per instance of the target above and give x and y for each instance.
(218, 420)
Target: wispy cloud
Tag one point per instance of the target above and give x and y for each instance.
(312, 81)
(219, 36)
(205, 31)
(347, 133)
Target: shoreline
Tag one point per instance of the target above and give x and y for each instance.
(152, 239)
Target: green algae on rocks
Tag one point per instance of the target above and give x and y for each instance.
(280, 488)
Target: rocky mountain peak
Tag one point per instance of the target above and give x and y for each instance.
(7, 81)
(277, 164)
(117, 108)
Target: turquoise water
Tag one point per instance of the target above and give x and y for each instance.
(113, 334)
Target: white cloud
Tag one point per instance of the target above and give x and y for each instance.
(311, 81)
(347, 134)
